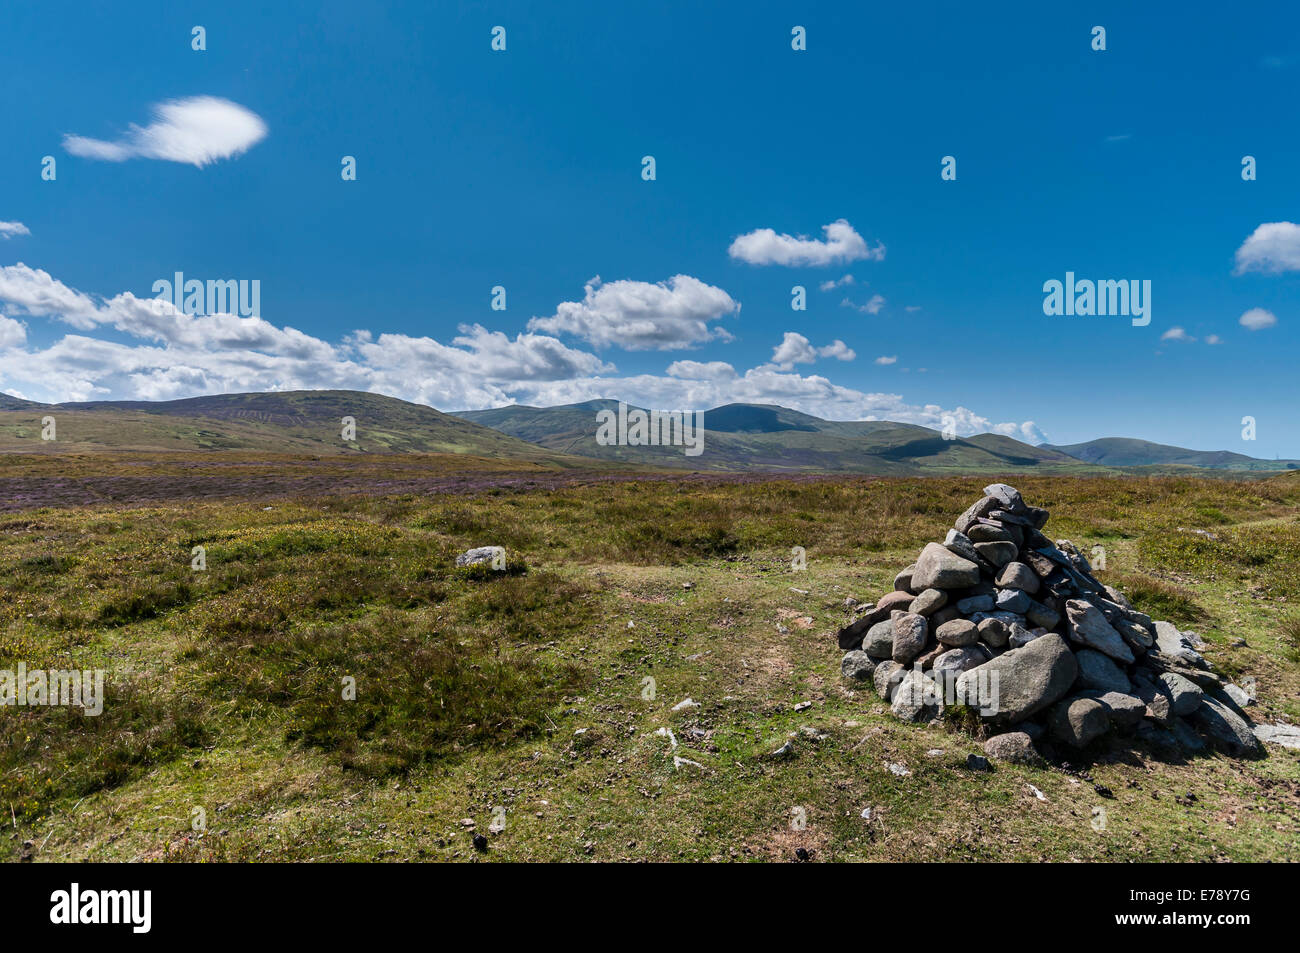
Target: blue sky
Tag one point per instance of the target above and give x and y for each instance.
(522, 169)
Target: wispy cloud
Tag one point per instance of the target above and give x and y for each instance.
(842, 244)
(1176, 334)
(891, 359)
(873, 306)
(10, 229)
(837, 283)
(197, 131)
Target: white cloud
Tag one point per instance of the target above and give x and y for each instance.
(797, 349)
(838, 350)
(834, 283)
(891, 359)
(842, 244)
(198, 131)
(1027, 431)
(1176, 334)
(639, 316)
(793, 349)
(701, 371)
(33, 291)
(1273, 247)
(12, 333)
(873, 305)
(168, 355)
(10, 229)
(1256, 319)
(1213, 339)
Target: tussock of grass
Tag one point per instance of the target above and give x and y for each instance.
(50, 753)
(1158, 598)
(1289, 635)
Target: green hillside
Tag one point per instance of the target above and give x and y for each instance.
(772, 438)
(1128, 452)
(287, 422)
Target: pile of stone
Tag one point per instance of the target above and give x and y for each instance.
(1002, 620)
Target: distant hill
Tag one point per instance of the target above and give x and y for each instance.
(737, 437)
(774, 438)
(1128, 452)
(283, 422)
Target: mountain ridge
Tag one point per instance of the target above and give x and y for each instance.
(738, 436)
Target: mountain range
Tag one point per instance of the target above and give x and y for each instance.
(737, 437)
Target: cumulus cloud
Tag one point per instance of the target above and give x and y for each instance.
(1027, 431)
(1256, 319)
(834, 283)
(12, 333)
(165, 354)
(1273, 247)
(842, 244)
(701, 370)
(797, 349)
(885, 360)
(1176, 334)
(838, 350)
(10, 229)
(640, 316)
(33, 291)
(198, 131)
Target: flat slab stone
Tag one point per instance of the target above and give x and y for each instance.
(1087, 626)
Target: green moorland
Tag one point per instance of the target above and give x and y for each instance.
(539, 706)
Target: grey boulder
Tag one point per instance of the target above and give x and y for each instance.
(1226, 729)
(1173, 644)
(957, 632)
(998, 553)
(1013, 747)
(1013, 600)
(1087, 626)
(857, 666)
(1184, 694)
(1098, 671)
(980, 603)
(879, 641)
(1020, 682)
(917, 698)
(911, 632)
(887, 677)
(1079, 721)
(940, 568)
(1016, 575)
(928, 602)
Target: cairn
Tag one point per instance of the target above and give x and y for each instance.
(1002, 620)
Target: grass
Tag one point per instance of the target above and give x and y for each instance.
(331, 686)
